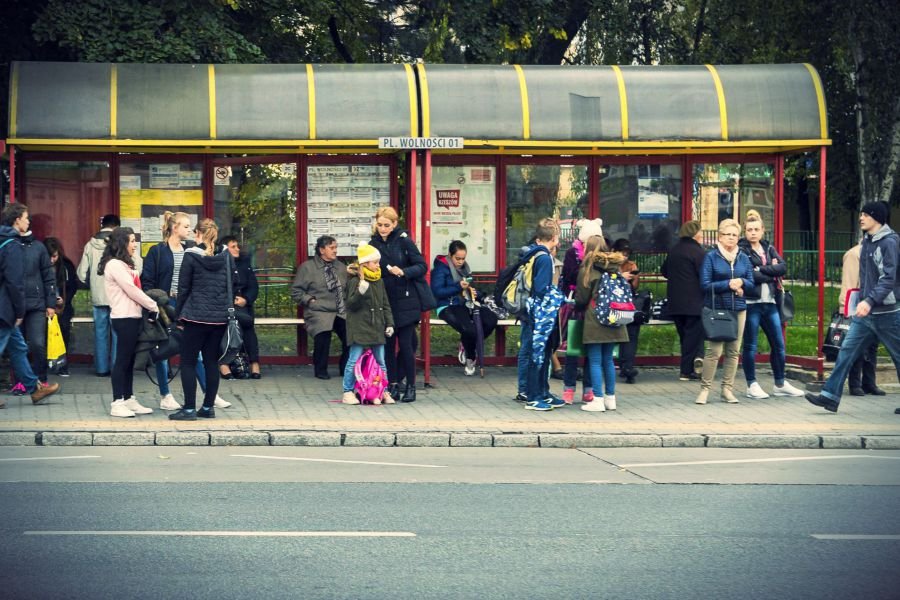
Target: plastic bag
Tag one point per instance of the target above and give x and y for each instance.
(56, 347)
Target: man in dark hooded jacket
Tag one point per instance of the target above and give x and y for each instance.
(12, 306)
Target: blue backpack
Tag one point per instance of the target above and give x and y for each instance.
(614, 302)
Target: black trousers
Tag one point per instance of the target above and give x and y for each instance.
(628, 350)
(322, 347)
(690, 332)
(127, 331)
(251, 342)
(460, 319)
(400, 355)
(200, 338)
(862, 373)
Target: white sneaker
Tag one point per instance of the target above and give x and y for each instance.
(698, 365)
(755, 391)
(787, 390)
(470, 367)
(136, 407)
(168, 402)
(349, 398)
(221, 402)
(461, 356)
(387, 398)
(609, 402)
(595, 406)
(119, 409)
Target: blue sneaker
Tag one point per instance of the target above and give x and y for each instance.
(554, 401)
(538, 405)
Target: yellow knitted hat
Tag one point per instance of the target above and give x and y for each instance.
(366, 253)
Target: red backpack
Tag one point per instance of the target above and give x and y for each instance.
(371, 380)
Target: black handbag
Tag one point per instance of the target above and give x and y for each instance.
(785, 301)
(427, 300)
(169, 347)
(719, 324)
(233, 340)
(837, 331)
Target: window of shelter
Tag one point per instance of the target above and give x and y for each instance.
(729, 190)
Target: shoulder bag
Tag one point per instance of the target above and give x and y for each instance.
(719, 324)
(784, 299)
(233, 340)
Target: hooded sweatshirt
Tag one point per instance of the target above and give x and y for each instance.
(122, 288)
(878, 270)
(12, 279)
(40, 281)
(202, 288)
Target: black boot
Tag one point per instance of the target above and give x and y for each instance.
(394, 390)
(409, 394)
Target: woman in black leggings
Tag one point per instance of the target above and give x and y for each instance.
(401, 266)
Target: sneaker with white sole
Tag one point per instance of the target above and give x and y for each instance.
(755, 391)
(136, 407)
(470, 367)
(729, 397)
(698, 365)
(168, 402)
(596, 406)
(221, 402)
(461, 355)
(387, 398)
(786, 390)
(349, 398)
(609, 402)
(119, 409)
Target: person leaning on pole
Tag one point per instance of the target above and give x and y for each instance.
(877, 315)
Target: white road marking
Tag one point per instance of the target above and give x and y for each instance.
(232, 533)
(852, 536)
(349, 462)
(48, 458)
(753, 460)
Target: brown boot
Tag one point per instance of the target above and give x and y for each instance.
(42, 391)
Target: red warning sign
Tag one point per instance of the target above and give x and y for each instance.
(448, 198)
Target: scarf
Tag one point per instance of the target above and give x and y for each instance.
(729, 256)
(369, 274)
(579, 249)
(333, 284)
(460, 273)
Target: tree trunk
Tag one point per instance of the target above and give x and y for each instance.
(890, 175)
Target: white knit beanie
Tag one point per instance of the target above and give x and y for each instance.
(589, 228)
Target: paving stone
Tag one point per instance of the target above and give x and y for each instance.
(182, 438)
(841, 441)
(305, 438)
(471, 440)
(422, 440)
(882, 442)
(239, 438)
(368, 438)
(683, 441)
(516, 440)
(67, 438)
(130, 438)
(763, 441)
(18, 438)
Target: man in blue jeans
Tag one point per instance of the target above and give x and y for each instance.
(877, 315)
(12, 311)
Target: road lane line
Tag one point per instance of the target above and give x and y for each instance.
(853, 536)
(349, 462)
(48, 458)
(187, 533)
(752, 460)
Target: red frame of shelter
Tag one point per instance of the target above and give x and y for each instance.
(414, 220)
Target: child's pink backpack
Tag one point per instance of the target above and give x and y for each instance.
(371, 380)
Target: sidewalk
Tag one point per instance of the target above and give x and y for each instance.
(288, 406)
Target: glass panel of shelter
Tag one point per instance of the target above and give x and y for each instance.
(728, 191)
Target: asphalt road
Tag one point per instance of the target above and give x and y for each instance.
(448, 523)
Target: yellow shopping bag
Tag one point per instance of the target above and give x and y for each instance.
(56, 347)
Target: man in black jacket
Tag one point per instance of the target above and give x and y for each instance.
(685, 296)
(12, 307)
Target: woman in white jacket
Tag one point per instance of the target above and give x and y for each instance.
(126, 299)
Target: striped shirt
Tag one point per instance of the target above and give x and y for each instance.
(178, 257)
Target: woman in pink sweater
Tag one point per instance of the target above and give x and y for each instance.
(123, 288)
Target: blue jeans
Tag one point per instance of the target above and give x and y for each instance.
(356, 351)
(603, 370)
(765, 315)
(162, 375)
(536, 378)
(11, 339)
(104, 352)
(884, 328)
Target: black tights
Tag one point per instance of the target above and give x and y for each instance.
(401, 364)
(206, 339)
(127, 331)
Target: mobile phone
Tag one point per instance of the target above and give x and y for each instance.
(635, 272)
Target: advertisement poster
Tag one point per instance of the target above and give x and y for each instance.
(651, 204)
(463, 207)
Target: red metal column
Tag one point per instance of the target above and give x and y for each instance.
(12, 173)
(426, 252)
(502, 241)
(820, 366)
(302, 243)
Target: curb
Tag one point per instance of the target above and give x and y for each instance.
(448, 439)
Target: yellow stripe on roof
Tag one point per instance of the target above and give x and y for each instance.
(211, 69)
(820, 98)
(526, 114)
(13, 99)
(311, 100)
(426, 111)
(720, 94)
(113, 100)
(623, 100)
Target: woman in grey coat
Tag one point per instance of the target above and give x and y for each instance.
(319, 288)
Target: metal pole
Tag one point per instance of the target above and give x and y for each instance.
(12, 173)
(820, 367)
(426, 253)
